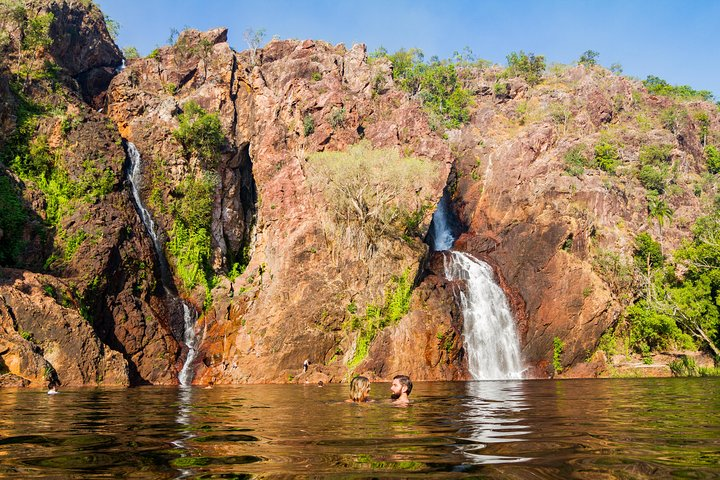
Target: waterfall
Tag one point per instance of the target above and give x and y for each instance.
(444, 227)
(135, 178)
(491, 340)
(489, 334)
(189, 316)
(186, 374)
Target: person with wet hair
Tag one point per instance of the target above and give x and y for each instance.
(400, 389)
(359, 390)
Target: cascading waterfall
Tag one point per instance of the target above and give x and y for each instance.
(489, 336)
(186, 374)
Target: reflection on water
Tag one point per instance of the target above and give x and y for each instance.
(493, 415)
(505, 429)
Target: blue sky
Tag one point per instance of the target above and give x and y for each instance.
(675, 40)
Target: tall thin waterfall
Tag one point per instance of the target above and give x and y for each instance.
(189, 316)
(186, 374)
(489, 335)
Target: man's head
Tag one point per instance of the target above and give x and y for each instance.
(400, 384)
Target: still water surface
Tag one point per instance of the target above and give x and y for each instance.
(604, 429)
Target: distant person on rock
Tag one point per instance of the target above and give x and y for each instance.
(401, 387)
(359, 390)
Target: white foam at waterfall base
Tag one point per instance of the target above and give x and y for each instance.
(186, 374)
(490, 336)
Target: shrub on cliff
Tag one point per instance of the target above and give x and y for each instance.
(712, 157)
(658, 86)
(607, 157)
(190, 242)
(437, 84)
(371, 193)
(200, 133)
(526, 65)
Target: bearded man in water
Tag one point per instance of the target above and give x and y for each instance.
(401, 387)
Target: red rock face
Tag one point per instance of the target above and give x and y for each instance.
(290, 304)
(544, 229)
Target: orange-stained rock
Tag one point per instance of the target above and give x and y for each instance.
(44, 342)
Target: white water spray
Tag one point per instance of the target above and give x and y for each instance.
(489, 334)
(135, 178)
(441, 231)
(186, 374)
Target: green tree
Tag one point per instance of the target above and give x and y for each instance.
(528, 66)
(130, 53)
(589, 58)
(659, 210)
(36, 37)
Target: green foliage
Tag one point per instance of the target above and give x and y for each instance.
(308, 125)
(654, 178)
(588, 58)
(647, 251)
(576, 161)
(170, 88)
(191, 250)
(658, 208)
(396, 304)
(72, 243)
(680, 307)
(606, 157)
(501, 89)
(655, 154)
(652, 330)
(443, 95)
(200, 133)
(193, 205)
(190, 241)
(130, 53)
(674, 118)
(684, 367)
(658, 86)
(337, 117)
(436, 83)
(528, 66)
(154, 53)
(12, 221)
(113, 27)
(316, 76)
(712, 158)
(558, 346)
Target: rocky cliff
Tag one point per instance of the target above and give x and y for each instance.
(283, 260)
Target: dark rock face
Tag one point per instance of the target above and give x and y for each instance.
(97, 316)
(82, 46)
